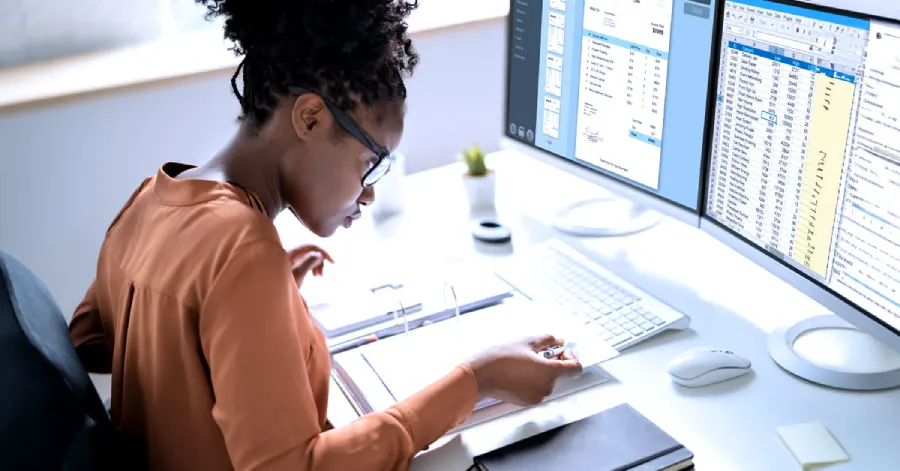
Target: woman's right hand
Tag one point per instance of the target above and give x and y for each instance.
(517, 374)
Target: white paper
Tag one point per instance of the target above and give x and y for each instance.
(812, 444)
(407, 365)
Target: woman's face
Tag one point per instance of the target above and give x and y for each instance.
(321, 178)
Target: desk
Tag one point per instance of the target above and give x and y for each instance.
(734, 304)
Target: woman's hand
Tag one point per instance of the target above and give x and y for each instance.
(308, 258)
(515, 373)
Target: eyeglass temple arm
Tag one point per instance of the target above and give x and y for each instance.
(347, 123)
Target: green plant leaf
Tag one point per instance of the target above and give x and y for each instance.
(475, 161)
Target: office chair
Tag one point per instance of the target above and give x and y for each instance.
(51, 417)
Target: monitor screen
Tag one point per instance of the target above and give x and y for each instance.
(805, 154)
(619, 87)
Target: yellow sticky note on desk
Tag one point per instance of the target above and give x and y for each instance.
(812, 444)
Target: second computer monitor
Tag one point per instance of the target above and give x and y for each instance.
(615, 87)
(804, 176)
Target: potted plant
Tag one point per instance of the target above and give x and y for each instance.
(480, 181)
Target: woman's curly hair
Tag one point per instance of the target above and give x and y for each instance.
(350, 51)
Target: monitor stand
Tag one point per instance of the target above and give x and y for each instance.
(829, 351)
(606, 216)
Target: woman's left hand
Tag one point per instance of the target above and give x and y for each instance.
(308, 258)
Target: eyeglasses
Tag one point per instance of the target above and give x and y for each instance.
(384, 159)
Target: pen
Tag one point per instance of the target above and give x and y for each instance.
(554, 352)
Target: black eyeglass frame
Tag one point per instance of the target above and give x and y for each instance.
(355, 130)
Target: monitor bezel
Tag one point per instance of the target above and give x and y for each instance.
(622, 188)
(830, 299)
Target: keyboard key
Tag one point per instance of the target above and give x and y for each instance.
(617, 318)
(583, 306)
(604, 334)
(636, 331)
(657, 321)
(632, 316)
(619, 340)
(617, 330)
(648, 326)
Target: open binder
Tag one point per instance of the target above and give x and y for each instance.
(408, 302)
(378, 375)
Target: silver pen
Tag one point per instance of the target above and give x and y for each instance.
(554, 352)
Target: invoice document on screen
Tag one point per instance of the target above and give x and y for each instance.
(624, 72)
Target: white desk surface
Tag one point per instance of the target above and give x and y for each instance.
(733, 303)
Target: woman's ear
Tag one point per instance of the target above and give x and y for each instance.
(306, 114)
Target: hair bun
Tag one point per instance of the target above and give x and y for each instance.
(337, 47)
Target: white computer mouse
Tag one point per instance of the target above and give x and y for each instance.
(703, 366)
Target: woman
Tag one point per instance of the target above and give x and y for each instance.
(195, 310)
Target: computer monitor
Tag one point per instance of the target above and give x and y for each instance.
(616, 92)
(804, 174)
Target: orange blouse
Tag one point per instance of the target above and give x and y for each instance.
(215, 362)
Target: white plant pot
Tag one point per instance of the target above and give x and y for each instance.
(481, 190)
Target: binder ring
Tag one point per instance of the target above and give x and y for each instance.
(403, 314)
(455, 300)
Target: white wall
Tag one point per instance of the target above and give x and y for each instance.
(66, 168)
(37, 30)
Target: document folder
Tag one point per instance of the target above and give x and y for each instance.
(380, 374)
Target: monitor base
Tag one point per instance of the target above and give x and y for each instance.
(605, 217)
(828, 351)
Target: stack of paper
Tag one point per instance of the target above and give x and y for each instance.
(382, 373)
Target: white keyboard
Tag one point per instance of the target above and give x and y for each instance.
(621, 313)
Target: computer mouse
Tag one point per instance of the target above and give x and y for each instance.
(703, 366)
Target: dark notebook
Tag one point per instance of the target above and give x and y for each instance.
(618, 439)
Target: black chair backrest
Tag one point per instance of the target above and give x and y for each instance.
(51, 417)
